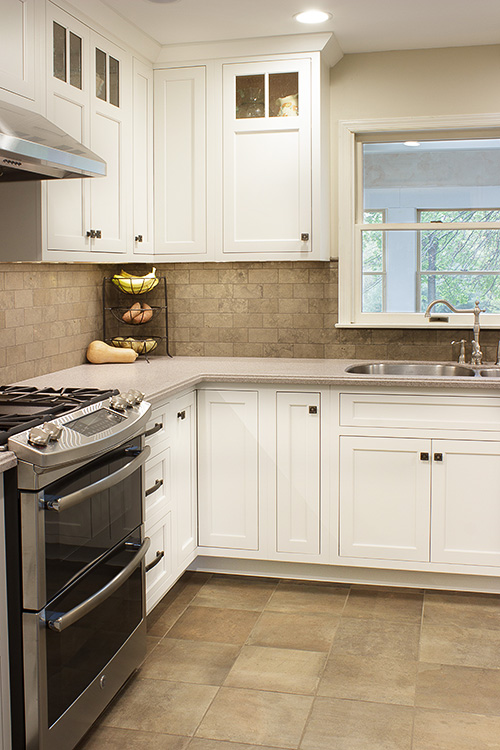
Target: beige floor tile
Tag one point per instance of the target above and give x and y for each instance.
(151, 643)
(453, 688)
(160, 706)
(439, 730)
(257, 717)
(404, 606)
(214, 624)
(173, 604)
(354, 725)
(190, 661)
(235, 592)
(110, 738)
(378, 638)
(466, 647)
(308, 598)
(366, 678)
(282, 670)
(198, 743)
(466, 610)
(297, 631)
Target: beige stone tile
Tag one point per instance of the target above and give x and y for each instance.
(263, 335)
(235, 592)
(308, 598)
(248, 350)
(265, 305)
(264, 718)
(309, 351)
(190, 661)
(464, 689)
(467, 610)
(277, 669)
(466, 647)
(203, 276)
(278, 350)
(173, 604)
(234, 305)
(232, 335)
(160, 706)
(217, 349)
(234, 276)
(354, 725)
(293, 305)
(198, 743)
(398, 606)
(365, 678)
(440, 730)
(111, 738)
(217, 320)
(363, 637)
(214, 624)
(263, 275)
(310, 632)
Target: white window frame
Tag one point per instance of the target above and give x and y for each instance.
(350, 213)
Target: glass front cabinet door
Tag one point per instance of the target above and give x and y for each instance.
(267, 158)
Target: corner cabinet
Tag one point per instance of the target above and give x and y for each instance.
(242, 164)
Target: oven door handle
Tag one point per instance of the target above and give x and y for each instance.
(58, 624)
(68, 501)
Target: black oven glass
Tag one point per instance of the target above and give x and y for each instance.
(76, 655)
(76, 537)
(96, 421)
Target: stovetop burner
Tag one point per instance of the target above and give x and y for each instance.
(23, 406)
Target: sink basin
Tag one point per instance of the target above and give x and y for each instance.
(414, 369)
(490, 372)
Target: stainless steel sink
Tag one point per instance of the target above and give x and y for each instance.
(490, 372)
(414, 369)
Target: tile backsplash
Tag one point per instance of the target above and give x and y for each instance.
(50, 312)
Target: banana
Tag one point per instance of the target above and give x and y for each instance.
(135, 284)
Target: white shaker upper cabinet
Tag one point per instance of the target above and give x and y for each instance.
(17, 50)
(143, 158)
(267, 158)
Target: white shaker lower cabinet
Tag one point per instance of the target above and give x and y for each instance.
(183, 421)
(466, 502)
(298, 496)
(228, 469)
(384, 498)
(159, 560)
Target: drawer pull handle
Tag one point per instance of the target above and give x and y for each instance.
(438, 457)
(181, 415)
(424, 456)
(156, 486)
(158, 426)
(158, 558)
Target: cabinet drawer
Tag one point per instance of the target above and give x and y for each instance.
(157, 426)
(157, 485)
(424, 412)
(159, 560)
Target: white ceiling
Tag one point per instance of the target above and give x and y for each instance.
(358, 25)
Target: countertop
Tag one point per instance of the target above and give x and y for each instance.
(164, 376)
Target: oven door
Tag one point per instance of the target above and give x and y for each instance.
(82, 647)
(68, 525)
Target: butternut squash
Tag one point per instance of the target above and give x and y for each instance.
(98, 353)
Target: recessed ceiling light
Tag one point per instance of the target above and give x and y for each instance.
(412, 144)
(163, 1)
(312, 16)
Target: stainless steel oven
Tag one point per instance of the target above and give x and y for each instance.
(76, 590)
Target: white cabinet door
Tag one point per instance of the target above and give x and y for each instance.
(143, 158)
(17, 50)
(465, 502)
(298, 472)
(157, 484)
(184, 475)
(385, 498)
(267, 157)
(228, 469)
(180, 162)
(110, 138)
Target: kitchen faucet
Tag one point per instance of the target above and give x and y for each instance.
(477, 354)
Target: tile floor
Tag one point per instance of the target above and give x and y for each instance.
(240, 663)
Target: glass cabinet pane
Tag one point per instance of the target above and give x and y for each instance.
(100, 74)
(59, 51)
(114, 82)
(283, 94)
(250, 96)
(75, 60)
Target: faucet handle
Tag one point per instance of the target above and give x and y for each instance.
(461, 358)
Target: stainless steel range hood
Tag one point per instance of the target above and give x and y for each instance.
(33, 148)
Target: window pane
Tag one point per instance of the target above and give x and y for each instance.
(462, 291)
(373, 296)
(250, 96)
(373, 251)
(283, 94)
(373, 217)
(100, 74)
(59, 51)
(460, 250)
(445, 217)
(75, 60)
(114, 82)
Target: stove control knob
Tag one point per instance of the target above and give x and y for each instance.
(133, 397)
(119, 403)
(53, 429)
(38, 436)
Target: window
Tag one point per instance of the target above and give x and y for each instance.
(421, 222)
